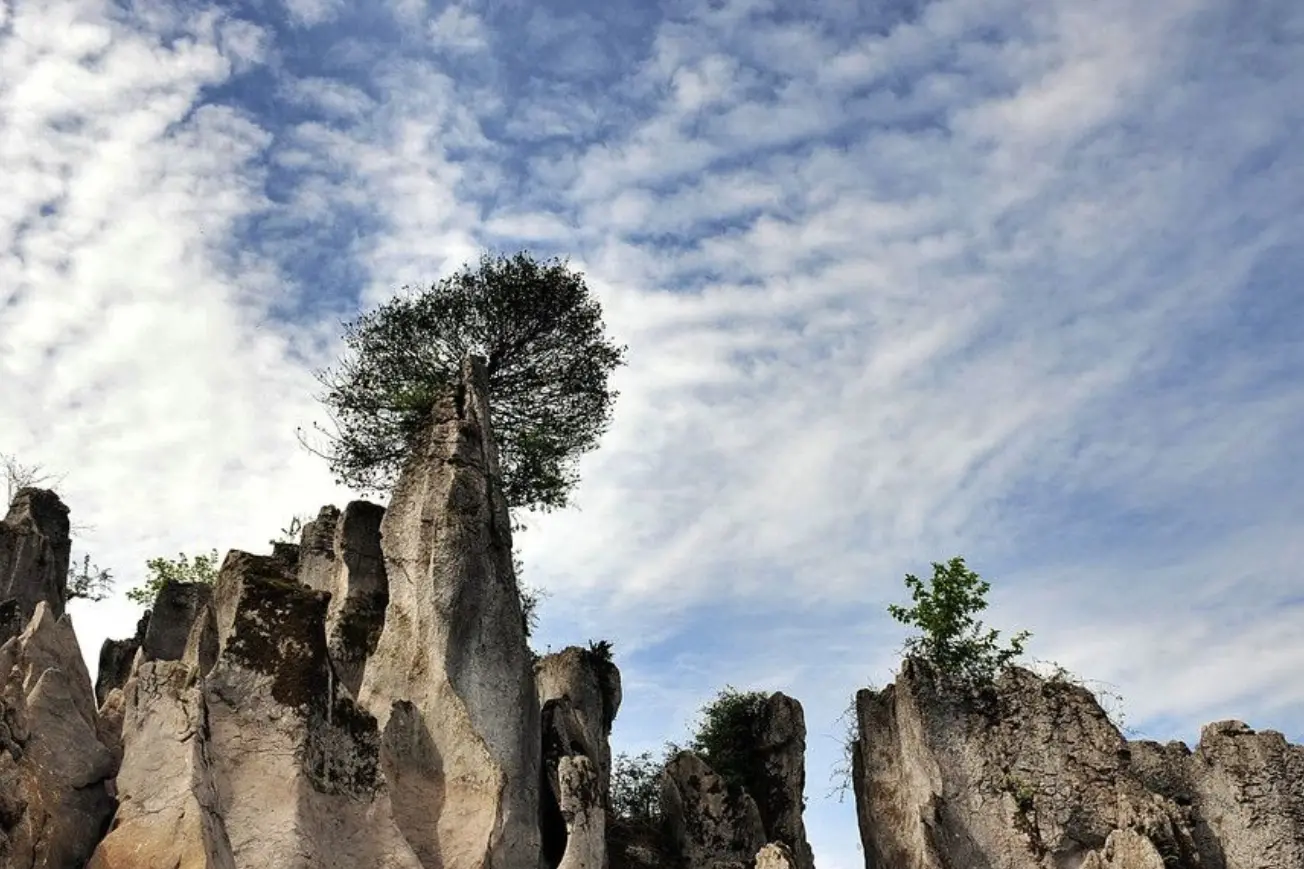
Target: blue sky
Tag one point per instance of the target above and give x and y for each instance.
(1013, 280)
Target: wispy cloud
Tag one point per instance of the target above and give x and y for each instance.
(989, 277)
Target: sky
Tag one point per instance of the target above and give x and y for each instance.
(1005, 279)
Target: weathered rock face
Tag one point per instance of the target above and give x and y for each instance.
(359, 592)
(1249, 790)
(54, 769)
(706, 823)
(451, 680)
(582, 809)
(589, 683)
(256, 763)
(116, 657)
(34, 550)
(1033, 774)
(317, 550)
(775, 855)
(171, 619)
(776, 775)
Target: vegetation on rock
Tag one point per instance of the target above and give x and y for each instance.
(952, 640)
(727, 731)
(201, 568)
(548, 361)
(89, 582)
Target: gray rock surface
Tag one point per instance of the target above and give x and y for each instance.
(34, 550)
(590, 685)
(116, 657)
(775, 855)
(172, 617)
(707, 824)
(359, 592)
(316, 566)
(54, 768)
(257, 763)
(582, 809)
(451, 680)
(776, 775)
(1032, 775)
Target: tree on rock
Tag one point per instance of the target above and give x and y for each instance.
(201, 568)
(548, 360)
(953, 641)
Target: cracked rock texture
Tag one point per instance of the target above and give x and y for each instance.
(34, 550)
(54, 768)
(1031, 774)
(707, 823)
(451, 680)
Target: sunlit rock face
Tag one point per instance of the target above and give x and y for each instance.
(451, 679)
(1031, 773)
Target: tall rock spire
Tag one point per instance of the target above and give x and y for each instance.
(450, 680)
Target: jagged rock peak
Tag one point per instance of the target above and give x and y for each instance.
(34, 552)
(451, 679)
(54, 768)
(1031, 774)
(707, 823)
(172, 617)
(116, 657)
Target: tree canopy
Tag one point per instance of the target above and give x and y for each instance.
(548, 360)
(952, 640)
(726, 732)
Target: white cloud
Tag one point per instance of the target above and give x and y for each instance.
(458, 29)
(310, 13)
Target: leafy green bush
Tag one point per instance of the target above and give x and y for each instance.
(636, 788)
(953, 641)
(201, 568)
(726, 733)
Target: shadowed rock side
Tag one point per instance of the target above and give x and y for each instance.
(579, 695)
(317, 550)
(54, 770)
(175, 609)
(582, 810)
(450, 680)
(116, 657)
(776, 775)
(707, 823)
(1032, 774)
(255, 764)
(359, 593)
(34, 549)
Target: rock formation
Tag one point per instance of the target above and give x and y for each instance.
(317, 550)
(1031, 774)
(579, 695)
(34, 550)
(116, 659)
(707, 823)
(582, 809)
(252, 760)
(451, 680)
(359, 592)
(775, 774)
(54, 770)
(175, 610)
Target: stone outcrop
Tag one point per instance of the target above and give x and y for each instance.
(34, 551)
(775, 855)
(54, 768)
(116, 658)
(775, 774)
(451, 680)
(1031, 774)
(582, 809)
(172, 617)
(251, 760)
(589, 683)
(707, 823)
(359, 592)
(317, 550)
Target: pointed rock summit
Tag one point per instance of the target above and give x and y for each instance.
(450, 680)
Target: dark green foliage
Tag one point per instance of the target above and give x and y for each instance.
(548, 361)
(89, 582)
(202, 568)
(600, 651)
(953, 641)
(636, 788)
(726, 734)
